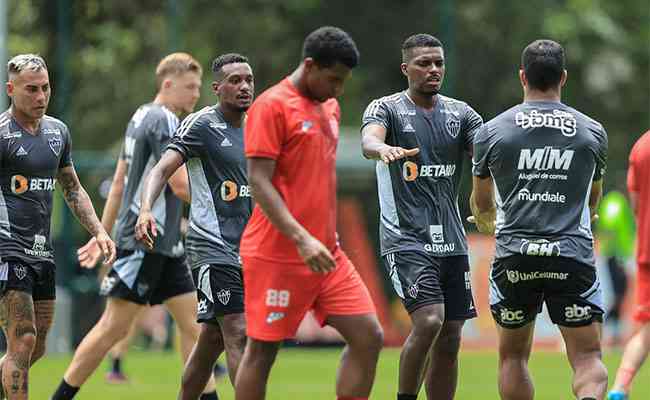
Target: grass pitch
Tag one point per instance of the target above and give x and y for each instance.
(309, 374)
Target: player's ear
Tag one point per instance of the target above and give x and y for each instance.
(167, 83)
(403, 66)
(522, 78)
(564, 77)
(9, 87)
(215, 87)
(309, 63)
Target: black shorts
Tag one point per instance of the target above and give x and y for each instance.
(520, 284)
(37, 279)
(420, 279)
(220, 291)
(147, 278)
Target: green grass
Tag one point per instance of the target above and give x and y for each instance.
(309, 374)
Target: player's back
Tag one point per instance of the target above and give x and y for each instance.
(543, 157)
(147, 134)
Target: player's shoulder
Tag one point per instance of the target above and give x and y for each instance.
(390, 100)
(507, 116)
(200, 118)
(51, 125)
(584, 119)
(397, 103)
(280, 93)
(5, 125)
(50, 121)
(155, 113)
(450, 101)
(458, 108)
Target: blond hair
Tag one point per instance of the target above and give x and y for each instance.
(25, 62)
(175, 64)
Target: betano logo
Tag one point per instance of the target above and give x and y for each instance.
(546, 158)
(231, 191)
(20, 184)
(546, 197)
(411, 172)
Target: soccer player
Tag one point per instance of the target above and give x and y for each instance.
(211, 144)
(35, 154)
(420, 138)
(636, 350)
(142, 276)
(291, 258)
(538, 169)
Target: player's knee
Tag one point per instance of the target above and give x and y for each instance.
(262, 352)
(375, 337)
(24, 339)
(428, 325)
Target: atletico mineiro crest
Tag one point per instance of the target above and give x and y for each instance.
(224, 296)
(453, 126)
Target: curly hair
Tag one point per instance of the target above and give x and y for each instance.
(329, 45)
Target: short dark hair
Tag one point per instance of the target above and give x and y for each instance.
(225, 59)
(543, 63)
(419, 40)
(329, 45)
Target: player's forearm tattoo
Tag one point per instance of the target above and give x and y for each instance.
(79, 202)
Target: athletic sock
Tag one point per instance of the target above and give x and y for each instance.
(65, 391)
(402, 396)
(116, 366)
(209, 396)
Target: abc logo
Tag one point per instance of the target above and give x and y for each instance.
(19, 184)
(576, 313)
(511, 316)
(410, 171)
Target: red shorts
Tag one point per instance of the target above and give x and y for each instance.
(277, 297)
(642, 311)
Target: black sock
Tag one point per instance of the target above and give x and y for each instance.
(116, 365)
(65, 391)
(402, 396)
(209, 396)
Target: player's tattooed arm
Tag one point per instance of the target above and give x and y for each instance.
(81, 206)
(373, 145)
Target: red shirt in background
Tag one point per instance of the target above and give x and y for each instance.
(301, 135)
(638, 181)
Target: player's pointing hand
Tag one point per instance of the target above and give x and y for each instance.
(389, 153)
